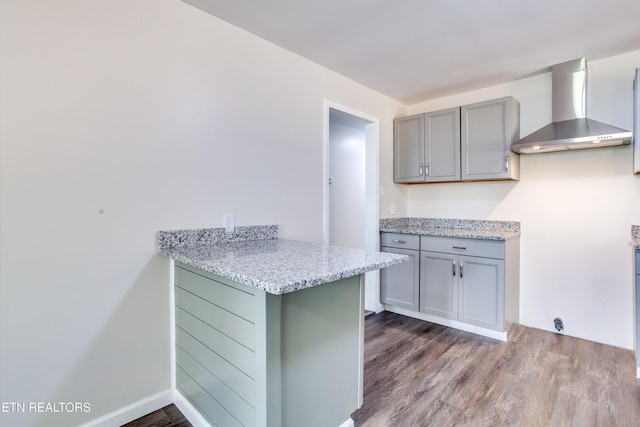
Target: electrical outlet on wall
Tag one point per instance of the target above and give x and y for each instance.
(229, 222)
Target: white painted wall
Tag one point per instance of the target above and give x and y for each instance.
(118, 119)
(576, 209)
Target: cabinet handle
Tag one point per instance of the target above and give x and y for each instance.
(460, 248)
(420, 169)
(506, 163)
(426, 169)
(461, 268)
(453, 269)
(399, 241)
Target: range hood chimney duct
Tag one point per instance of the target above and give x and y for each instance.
(571, 129)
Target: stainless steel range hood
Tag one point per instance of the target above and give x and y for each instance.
(570, 129)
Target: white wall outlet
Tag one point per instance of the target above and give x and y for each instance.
(393, 208)
(229, 222)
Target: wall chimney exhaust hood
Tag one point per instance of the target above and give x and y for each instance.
(571, 129)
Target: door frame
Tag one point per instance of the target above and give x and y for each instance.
(372, 193)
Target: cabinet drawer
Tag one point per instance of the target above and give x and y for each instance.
(398, 240)
(471, 247)
(637, 261)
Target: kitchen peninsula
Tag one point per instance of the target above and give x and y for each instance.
(268, 332)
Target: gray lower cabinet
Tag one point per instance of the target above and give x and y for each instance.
(637, 310)
(439, 284)
(469, 289)
(399, 284)
(481, 292)
(465, 143)
(461, 281)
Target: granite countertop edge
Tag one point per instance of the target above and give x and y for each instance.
(264, 262)
(635, 236)
(459, 228)
(284, 287)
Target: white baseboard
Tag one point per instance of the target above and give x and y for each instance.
(155, 402)
(502, 336)
(189, 412)
(194, 417)
(348, 423)
(133, 411)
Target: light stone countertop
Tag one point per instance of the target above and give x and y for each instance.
(635, 236)
(463, 228)
(265, 262)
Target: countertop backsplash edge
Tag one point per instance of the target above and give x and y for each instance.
(464, 224)
(210, 236)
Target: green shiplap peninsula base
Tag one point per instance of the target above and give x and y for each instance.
(246, 357)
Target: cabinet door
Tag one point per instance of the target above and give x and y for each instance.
(408, 149)
(442, 145)
(481, 301)
(439, 284)
(399, 283)
(488, 129)
(637, 310)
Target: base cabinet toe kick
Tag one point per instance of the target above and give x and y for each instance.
(465, 283)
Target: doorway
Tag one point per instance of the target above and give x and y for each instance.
(351, 186)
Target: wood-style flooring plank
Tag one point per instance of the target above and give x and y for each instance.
(421, 374)
(169, 416)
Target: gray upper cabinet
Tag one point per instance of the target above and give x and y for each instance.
(466, 143)
(427, 147)
(488, 129)
(408, 149)
(442, 145)
(636, 122)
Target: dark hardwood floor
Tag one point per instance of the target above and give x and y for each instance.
(169, 416)
(421, 374)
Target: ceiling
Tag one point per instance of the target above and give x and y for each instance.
(414, 50)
